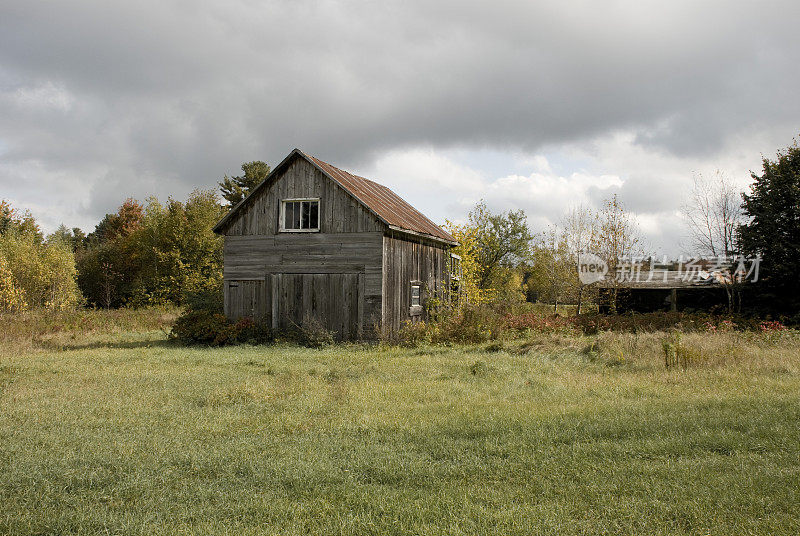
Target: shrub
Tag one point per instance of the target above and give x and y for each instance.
(670, 347)
(415, 333)
(472, 324)
(679, 354)
(468, 324)
(771, 325)
(202, 327)
(312, 334)
(483, 323)
(208, 299)
(249, 331)
(479, 368)
(213, 329)
(643, 322)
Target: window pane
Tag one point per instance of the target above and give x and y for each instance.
(415, 294)
(288, 216)
(301, 215)
(304, 224)
(314, 215)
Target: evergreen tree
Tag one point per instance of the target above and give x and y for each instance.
(773, 232)
(234, 189)
(74, 237)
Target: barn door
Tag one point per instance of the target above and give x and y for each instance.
(246, 298)
(335, 301)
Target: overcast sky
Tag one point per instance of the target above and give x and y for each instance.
(533, 105)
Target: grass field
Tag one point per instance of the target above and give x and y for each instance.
(121, 432)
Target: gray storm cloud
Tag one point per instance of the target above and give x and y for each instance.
(103, 100)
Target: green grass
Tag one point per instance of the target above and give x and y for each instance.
(128, 434)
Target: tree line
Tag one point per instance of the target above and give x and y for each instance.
(503, 260)
(143, 254)
(156, 253)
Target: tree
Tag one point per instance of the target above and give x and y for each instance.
(74, 238)
(153, 254)
(36, 274)
(33, 273)
(234, 189)
(99, 277)
(618, 241)
(552, 271)
(773, 229)
(713, 214)
(109, 263)
(467, 249)
(581, 234)
(12, 298)
(7, 214)
(179, 251)
(14, 222)
(492, 249)
(501, 240)
(120, 224)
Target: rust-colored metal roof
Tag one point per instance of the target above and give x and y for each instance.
(386, 204)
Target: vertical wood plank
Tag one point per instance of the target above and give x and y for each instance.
(275, 283)
(360, 307)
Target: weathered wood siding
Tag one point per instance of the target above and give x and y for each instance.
(350, 241)
(339, 212)
(333, 300)
(247, 298)
(406, 259)
(354, 275)
(250, 259)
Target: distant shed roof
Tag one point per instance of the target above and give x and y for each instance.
(389, 207)
(668, 279)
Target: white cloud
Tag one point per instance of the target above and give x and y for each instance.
(43, 97)
(534, 105)
(653, 184)
(435, 184)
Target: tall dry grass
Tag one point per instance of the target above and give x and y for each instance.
(47, 330)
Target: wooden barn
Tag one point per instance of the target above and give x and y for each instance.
(314, 242)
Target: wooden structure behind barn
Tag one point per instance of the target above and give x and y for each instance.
(314, 243)
(663, 290)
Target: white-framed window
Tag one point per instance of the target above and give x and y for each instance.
(415, 310)
(416, 295)
(300, 215)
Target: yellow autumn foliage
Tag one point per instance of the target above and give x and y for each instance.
(12, 299)
(470, 267)
(36, 274)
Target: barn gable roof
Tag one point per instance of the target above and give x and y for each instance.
(386, 205)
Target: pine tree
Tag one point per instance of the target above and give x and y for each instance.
(773, 230)
(234, 189)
